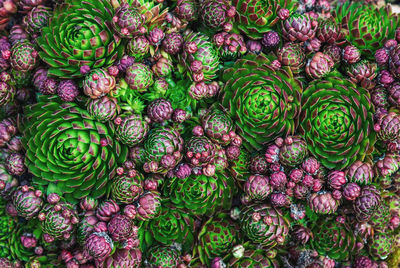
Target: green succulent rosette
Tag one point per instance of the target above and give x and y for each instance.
(125, 189)
(367, 26)
(55, 224)
(265, 103)
(162, 256)
(380, 245)
(79, 34)
(170, 227)
(206, 53)
(270, 230)
(333, 239)
(217, 236)
(256, 17)
(160, 142)
(337, 121)
(201, 195)
(380, 218)
(67, 151)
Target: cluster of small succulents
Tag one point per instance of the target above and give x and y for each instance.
(199, 133)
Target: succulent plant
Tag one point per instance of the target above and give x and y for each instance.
(162, 150)
(14, 164)
(254, 18)
(103, 109)
(126, 189)
(338, 125)
(79, 34)
(216, 237)
(121, 227)
(99, 246)
(162, 256)
(159, 110)
(6, 263)
(328, 31)
(27, 5)
(216, 14)
(127, 21)
(293, 151)
(362, 73)
(36, 19)
(367, 203)
(366, 26)
(323, 203)
(198, 133)
(333, 239)
(351, 54)
(200, 151)
(257, 187)
(154, 12)
(360, 173)
(201, 194)
(137, 47)
(84, 155)
(98, 83)
(67, 90)
(24, 57)
(264, 102)
(8, 183)
(217, 125)
(139, 77)
(319, 65)
(387, 126)
(14, 248)
(293, 56)
(231, 45)
(171, 226)
(172, 43)
(264, 224)
(380, 219)
(149, 206)
(299, 28)
(27, 201)
(380, 245)
(58, 221)
(394, 62)
(204, 52)
(131, 129)
(7, 93)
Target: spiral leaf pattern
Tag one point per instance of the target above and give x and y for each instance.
(336, 121)
(68, 151)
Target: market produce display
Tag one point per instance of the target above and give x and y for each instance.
(199, 133)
